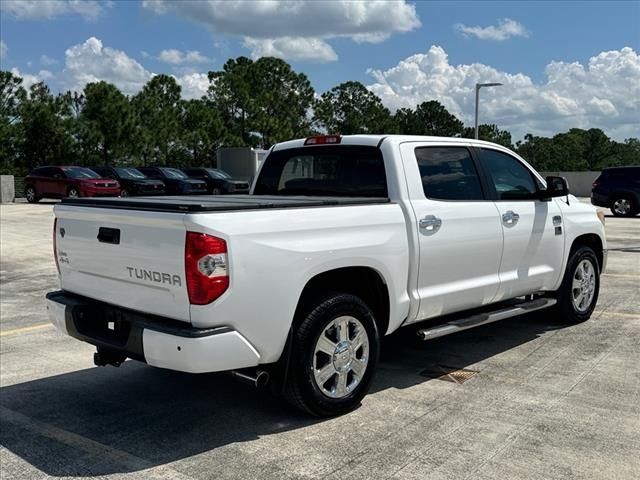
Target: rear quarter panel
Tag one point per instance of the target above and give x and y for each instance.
(274, 253)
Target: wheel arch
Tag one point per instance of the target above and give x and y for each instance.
(633, 196)
(593, 241)
(363, 282)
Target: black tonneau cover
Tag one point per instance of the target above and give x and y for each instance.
(217, 203)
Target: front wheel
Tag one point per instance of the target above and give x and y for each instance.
(216, 191)
(73, 192)
(124, 192)
(578, 293)
(334, 356)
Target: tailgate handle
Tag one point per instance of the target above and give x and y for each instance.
(109, 235)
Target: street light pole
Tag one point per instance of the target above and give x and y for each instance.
(478, 87)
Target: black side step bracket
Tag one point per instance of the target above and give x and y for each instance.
(476, 320)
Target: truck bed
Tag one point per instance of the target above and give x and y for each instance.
(217, 203)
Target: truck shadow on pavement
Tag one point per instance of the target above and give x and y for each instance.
(102, 421)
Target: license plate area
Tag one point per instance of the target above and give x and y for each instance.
(103, 324)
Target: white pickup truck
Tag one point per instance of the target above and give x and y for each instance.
(341, 241)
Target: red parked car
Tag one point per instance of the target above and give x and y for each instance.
(59, 182)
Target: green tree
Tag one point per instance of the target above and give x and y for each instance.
(280, 101)
(261, 102)
(627, 153)
(536, 151)
(350, 108)
(202, 131)
(12, 94)
(46, 127)
(490, 133)
(157, 109)
(230, 92)
(105, 122)
(429, 118)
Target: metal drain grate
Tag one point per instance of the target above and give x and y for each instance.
(449, 374)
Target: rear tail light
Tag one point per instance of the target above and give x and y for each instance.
(323, 140)
(55, 244)
(206, 267)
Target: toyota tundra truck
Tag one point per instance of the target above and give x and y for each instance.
(342, 240)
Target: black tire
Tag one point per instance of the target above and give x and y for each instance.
(566, 310)
(216, 191)
(73, 192)
(30, 194)
(619, 203)
(301, 389)
(124, 193)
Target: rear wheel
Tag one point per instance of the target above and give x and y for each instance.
(73, 193)
(334, 355)
(578, 294)
(623, 206)
(124, 192)
(31, 195)
(216, 191)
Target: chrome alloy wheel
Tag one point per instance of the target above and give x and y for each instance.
(30, 194)
(622, 206)
(340, 357)
(583, 286)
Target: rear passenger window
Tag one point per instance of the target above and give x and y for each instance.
(448, 173)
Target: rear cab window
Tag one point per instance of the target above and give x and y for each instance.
(332, 171)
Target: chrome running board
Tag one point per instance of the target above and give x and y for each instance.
(478, 319)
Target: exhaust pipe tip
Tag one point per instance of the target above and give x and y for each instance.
(259, 379)
(262, 379)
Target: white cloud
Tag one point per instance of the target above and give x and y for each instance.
(177, 57)
(306, 49)
(505, 29)
(603, 94)
(274, 26)
(3, 49)
(29, 79)
(46, 60)
(193, 85)
(91, 61)
(47, 9)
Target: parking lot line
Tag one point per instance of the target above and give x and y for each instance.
(621, 275)
(635, 316)
(14, 331)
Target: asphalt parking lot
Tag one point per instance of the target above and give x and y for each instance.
(547, 401)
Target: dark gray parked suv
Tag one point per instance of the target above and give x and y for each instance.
(618, 188)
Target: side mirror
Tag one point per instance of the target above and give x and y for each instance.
(556, 187)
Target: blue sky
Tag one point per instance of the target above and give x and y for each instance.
(353, 41)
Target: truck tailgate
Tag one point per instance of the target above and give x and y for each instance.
(132, 259)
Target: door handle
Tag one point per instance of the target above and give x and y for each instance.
(430, 222)
(510, 217)
(109, 235)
